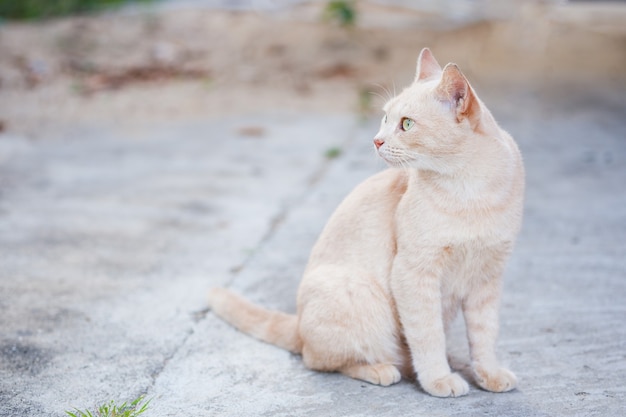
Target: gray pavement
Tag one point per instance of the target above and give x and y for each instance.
(110, 237)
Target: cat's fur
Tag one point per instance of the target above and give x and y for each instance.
(408, 248)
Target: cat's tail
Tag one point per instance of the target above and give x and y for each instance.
(273, 327)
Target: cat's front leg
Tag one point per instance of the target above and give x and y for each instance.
(416, 286)
(480, 310)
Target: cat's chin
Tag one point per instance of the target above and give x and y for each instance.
(421, 164)
(397, 164)
(403, 160)
(392, 162)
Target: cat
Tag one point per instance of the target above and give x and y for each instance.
(410, 247)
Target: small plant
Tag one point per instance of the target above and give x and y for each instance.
(342, 11)
(38, 9)
(110, 409)
(365, 102)
(333, 153)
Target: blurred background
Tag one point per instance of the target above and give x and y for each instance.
(68, 63)
(152, 149)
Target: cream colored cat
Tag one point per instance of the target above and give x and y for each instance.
(409, 247)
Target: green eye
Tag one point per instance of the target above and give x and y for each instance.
(385, 119)
(407, 123)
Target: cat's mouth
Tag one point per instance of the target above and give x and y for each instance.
(383, 155)
(387, 160)
(393, 157)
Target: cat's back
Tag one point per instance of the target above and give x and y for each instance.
(384, 189)
(362, 228)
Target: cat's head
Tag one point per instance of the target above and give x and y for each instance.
(428, 125)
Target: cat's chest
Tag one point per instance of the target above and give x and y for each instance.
(425, 220)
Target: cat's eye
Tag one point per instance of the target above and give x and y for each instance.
(407, 123)
(385, 119)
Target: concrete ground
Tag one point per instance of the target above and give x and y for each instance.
(110, 238)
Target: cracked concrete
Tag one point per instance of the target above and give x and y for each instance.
(110, 238)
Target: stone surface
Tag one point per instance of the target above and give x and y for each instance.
(110, 238)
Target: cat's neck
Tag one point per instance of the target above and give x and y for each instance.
(483, 178)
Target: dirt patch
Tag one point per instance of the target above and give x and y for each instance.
(11, 405)
(149, 67)
(96, 81)
(22, 358)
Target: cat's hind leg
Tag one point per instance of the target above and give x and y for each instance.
(347, 325)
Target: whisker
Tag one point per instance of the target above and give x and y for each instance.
(374, 93)
(401, 157)
(385, 89)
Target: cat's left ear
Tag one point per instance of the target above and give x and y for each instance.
(427, 66)
(456, 90)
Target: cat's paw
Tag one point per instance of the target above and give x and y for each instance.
(494, 379)
(386, 375)
(451, 385)
(379, 374)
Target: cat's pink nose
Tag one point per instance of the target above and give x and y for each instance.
(378, 143)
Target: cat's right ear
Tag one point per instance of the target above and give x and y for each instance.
(455, 90)
(427, 66)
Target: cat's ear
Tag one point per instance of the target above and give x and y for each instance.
(427, 66)
(457, 92)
